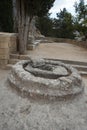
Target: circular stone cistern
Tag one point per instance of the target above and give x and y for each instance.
(46, 79)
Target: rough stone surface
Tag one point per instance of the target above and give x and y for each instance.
(42, 69)
(42, 79)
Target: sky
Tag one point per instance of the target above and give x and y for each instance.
(60, 4)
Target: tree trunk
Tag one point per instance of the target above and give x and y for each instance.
(14, 16)
(23, 25)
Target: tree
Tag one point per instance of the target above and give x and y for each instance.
(6, 20)
(45, 25)
(26, 9)
(81, 17)
(63, 25)
(14, 16)
(81, 9)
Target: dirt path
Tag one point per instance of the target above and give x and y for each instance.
(60, 51)
(17, 113)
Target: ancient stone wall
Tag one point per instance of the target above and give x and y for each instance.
(13, 43)
(8, 43)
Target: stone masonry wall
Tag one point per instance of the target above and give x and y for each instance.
(13, 43)
(8, 43)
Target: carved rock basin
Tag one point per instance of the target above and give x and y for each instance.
(46, 79)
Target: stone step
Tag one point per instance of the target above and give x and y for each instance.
(82, 73)
(37, 42)
(20, 57)
(80, 67)
(14, 56)
(13, 61)
(34, 45)
(70, 62)
(8, 66)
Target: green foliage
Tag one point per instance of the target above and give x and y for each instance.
(61, 27)
(81, 17)
(81, 9)
(45, 25)
(6, 20)
(38, 7)
(33, 7)
(64, 24)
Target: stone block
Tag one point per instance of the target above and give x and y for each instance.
(4, 37)
(8, 44)
(13, 61)
(4, 44)
(3, 62)
(8, 40)
(4, 51)
(24, 57)
(13, 43)
(31, 47)
(8, 66)
(14, 56)
(4, 57)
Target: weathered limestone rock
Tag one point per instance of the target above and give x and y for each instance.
(38, 35)
(34, 36)
(31, 38)
(46, 79)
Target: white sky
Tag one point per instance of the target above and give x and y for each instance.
(60, 4)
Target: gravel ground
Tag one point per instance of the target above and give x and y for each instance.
(18, 113)
(60, 51)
